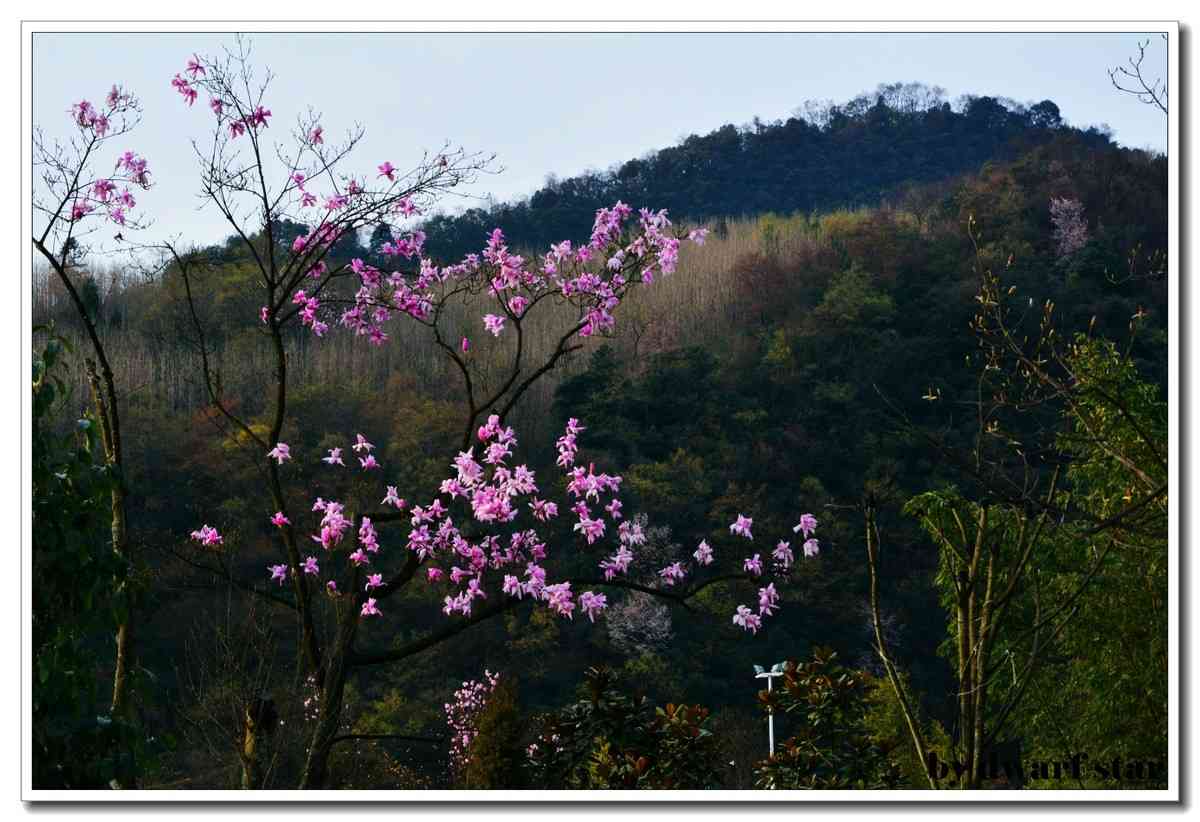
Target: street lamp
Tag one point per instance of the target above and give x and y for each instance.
(761, 673)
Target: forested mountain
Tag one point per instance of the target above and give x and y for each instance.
(826, 156)
(826, 345)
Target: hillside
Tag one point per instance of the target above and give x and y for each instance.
(829, 156)
(787, 362)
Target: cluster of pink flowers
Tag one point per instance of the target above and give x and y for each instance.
(197, 76)
(102, 195)
(490, 489)
(768, 597)
(462, 716)
(593, 276)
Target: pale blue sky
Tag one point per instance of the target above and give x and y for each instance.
(563, 103)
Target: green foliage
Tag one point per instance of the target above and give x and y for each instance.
(496, 755)
(834, 749)
(851, 301)
(1105, 691)
(76, 743)
(611, 740)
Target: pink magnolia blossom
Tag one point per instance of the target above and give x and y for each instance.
(811, 548)
(747, 619)
(334, 458)
(783, 554)
(741, 527)
(768, 600)
(704, 554)
(258, 117)
(278, 572)
(310, 567)
(671, 573)
(753, 565)
(361, 444)
(207, 536)
(369, 608)
(281, 453)
(195, 67)
(592, 603)
(388, 170)
(279, 520)
(807, 524)
(494, 324)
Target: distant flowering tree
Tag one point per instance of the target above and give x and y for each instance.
(1070, 225)
(484, 537)
(641, 623)
(462, 717)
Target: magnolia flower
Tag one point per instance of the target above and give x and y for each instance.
(315, 136)
(392, 498)
(671, 573)
(811, 548)
(493, 323)
(808, 524)
(362, 444)
(747, 619)
(207, 536)
(742, 527)
(374, 581)
(334, 458)
(369, 463)
(331, 587)
(465, 345)
(592, 604)
(388, 170)
(704, 554)
(783, 554)
(279, 520)
(753, 565)
(281, 453)
(259, 116)
(768, 600)
(278, 572)
(194, 66)
(310, 566)
(369, 608)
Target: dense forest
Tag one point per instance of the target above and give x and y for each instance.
(940, 329)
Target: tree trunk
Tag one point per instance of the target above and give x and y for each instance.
(316, 767)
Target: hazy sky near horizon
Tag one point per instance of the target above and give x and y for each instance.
(561, 103)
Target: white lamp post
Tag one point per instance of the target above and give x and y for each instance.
(761, 673)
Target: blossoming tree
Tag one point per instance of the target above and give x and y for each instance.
(75, 198)
(490, 538)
